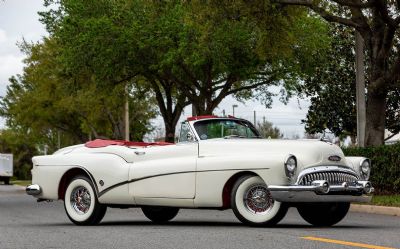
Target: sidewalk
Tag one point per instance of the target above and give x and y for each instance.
(371, 209)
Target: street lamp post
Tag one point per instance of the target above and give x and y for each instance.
(233, 109)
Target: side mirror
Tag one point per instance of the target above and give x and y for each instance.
(190, 137)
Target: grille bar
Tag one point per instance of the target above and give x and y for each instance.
(333, 177)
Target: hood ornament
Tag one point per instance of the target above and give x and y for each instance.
(334, 158)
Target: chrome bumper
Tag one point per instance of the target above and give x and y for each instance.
(33, 189)
(321, 191)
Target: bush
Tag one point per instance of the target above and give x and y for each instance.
(385, 172)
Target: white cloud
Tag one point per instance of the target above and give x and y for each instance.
(9, 65)
(3, 36)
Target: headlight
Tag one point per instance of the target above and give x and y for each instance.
(290, 166)
(365, 169)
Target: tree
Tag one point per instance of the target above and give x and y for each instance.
(268, 130)
(45, 100)
(188, 52)
(331, 88)
(106, 39)
(378, 23)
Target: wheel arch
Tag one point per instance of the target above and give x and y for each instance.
(69, 175)
(226, 191)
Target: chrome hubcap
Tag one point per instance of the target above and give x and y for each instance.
(258, 199)
(80, 200)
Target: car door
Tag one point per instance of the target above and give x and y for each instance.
(165, 171)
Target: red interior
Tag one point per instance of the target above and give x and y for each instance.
(97, 143)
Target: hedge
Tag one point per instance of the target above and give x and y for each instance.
(385, 171)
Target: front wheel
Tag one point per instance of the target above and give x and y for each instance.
(81, 204)
(323, 214)
(253, 204)
(160, 214)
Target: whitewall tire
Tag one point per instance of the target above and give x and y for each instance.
(252, 202)
(81, 204)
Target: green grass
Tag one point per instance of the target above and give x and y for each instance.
(386, 200)
(21, 182)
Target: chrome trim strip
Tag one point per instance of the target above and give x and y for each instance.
(166, 174)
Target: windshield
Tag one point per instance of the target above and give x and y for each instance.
(225, 128)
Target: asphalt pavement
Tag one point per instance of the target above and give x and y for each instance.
(24, 223)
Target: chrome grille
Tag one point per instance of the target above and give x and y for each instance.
(333, 177)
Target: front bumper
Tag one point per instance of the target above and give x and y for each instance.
(321, 191)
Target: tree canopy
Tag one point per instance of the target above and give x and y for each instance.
(268, 130)
(331, 89)
(378, 22)
(189, 52)
(46, 99)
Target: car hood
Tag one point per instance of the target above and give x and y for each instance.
(308, 152)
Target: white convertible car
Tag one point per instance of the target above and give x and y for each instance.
(218, 163)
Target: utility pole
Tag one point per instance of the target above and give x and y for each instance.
(233, 109)
(126, 112)
(58, 139)
(194, 113)
(223, 113)
(254, 118)
(360, 90)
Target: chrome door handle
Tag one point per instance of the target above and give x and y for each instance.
(140, 153)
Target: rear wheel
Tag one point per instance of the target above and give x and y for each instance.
(160, 214)
(81, 204)
(7, 181)
(253, 204)
(323, 214)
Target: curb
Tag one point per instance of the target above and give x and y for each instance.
(370, 209)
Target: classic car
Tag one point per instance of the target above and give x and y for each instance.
(218, 163)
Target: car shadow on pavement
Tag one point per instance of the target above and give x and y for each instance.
(211, 224)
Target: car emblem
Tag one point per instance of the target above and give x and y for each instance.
(334, 158)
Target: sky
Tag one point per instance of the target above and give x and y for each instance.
(19, 20)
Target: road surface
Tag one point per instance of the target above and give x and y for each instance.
(24, 223)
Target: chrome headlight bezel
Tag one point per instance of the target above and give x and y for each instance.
(365, 169)
(290, 165)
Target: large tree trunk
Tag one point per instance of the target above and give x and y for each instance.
(170, 132)
(165, 100)
(375, 123)
(204, 106)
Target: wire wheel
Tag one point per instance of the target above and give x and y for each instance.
(80, 200)
(258, 199)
